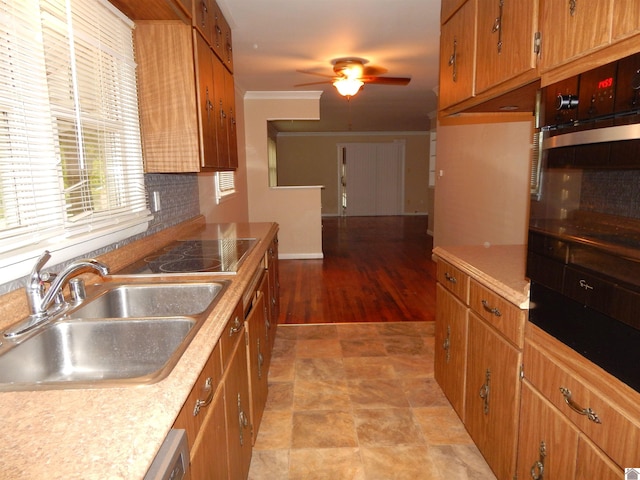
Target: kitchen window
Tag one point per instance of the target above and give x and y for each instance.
(225, 185)
(71, 170)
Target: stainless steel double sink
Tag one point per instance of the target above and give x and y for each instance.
(123, 334)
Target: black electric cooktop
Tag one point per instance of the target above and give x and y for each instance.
(194, 256)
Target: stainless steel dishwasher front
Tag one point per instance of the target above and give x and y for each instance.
(172, 460)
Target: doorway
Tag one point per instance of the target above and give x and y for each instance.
(371, 178)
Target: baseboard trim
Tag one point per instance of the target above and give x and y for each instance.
(300, 256)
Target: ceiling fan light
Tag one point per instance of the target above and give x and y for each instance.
(348, 87)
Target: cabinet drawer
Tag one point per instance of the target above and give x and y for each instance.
(503, 315)
(194, 411)
(616, 431)
(454, 280)
(232, 332)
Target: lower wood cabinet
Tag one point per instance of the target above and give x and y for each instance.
(477, 363)
(258, 353)
(548, 440)
(589, 421)
(223, 412)
(237, 407)
(492, 396)
(450, 362)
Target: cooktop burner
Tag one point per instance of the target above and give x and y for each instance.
(194, 256)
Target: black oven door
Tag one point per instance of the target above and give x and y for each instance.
(605, 341)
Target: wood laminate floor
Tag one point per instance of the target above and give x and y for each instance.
(375, 269)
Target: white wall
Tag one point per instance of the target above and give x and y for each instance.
(482, 180)
(296, 209)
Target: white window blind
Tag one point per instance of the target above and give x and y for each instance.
(71, 159)
(225, 184)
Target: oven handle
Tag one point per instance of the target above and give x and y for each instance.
(597, 135)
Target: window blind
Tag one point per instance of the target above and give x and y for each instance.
(225, 184)
(70, 149)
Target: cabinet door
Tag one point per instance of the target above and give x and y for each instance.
(593, 463)
(492, 396)
(450, 361)
(208, 150)
(626, 18)
(203, 18)
(274, 287)
(209, 454)
(257, 351)
(220, 105)
(572, 28)
(506, 31)
(236, 394)
(167, 96)
(230, 108)
(548, 442)
(447, 7)
(457, 56)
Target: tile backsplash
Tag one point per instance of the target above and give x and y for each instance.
(613, 192)
(178, 199)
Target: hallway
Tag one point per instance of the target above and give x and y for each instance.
(375, 269)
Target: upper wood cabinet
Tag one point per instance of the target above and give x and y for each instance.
(167, 96)
(457, 56)
(210, 22)
(626, 19)
(155, 9)
(448, 7)
(505, 41)
(572, 28)
(186, 101)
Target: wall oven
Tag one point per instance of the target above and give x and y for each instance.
(584, 232)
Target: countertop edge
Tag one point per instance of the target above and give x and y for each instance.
(501, 268)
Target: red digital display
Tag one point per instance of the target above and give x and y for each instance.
(605, 83)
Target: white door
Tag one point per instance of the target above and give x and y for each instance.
(372, 180)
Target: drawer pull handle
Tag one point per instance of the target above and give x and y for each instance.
(236, 327)
(203, 403)
(450, 278)
(446, 345)
(492, 310)
(537, 470)
(484, 392)
(243, 422)
(590, 414)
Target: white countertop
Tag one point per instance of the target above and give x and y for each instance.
(114, 433)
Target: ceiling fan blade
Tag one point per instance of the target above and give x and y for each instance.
(326, 82)
(309, 72)
(373, 70)
(387, 80)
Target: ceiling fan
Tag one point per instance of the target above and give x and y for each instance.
(350, 74)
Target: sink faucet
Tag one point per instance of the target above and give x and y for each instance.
(39, 301)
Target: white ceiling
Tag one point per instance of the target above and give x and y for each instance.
(274, 38)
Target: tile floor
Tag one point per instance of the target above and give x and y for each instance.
(358, 401)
